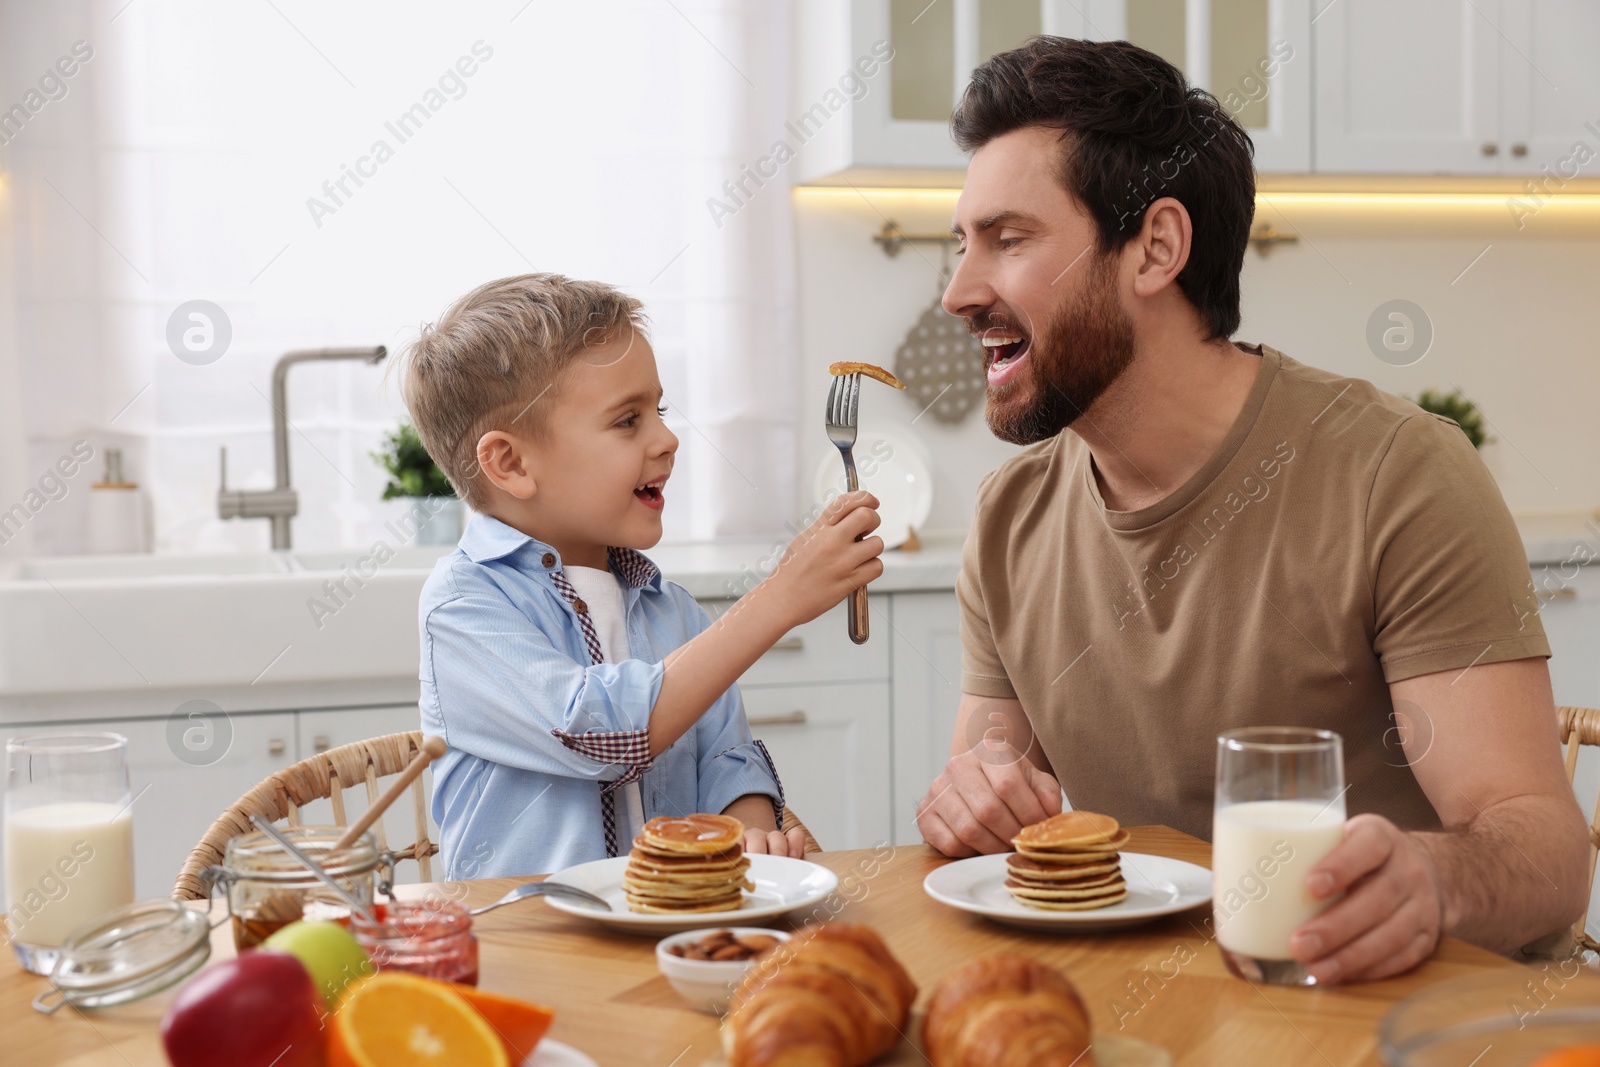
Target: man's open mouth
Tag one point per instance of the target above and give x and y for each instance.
(1002, 346)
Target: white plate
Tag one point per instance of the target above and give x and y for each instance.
(555, 1054)
(892, 464)
(1157, 886)
(782, 885)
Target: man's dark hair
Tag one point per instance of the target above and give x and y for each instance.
(1133, 131)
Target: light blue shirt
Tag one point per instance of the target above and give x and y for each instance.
(505, 670)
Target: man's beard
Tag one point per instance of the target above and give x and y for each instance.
(1085, 346)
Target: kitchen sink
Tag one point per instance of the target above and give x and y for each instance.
(230, 627)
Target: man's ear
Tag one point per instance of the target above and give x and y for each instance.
(1163, 246)
(507, 462)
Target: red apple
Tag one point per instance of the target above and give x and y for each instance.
(257, 1010)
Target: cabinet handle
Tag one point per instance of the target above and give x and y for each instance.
(276, 747)
(788, 718)
(321, 743)
(1490, 148)
(792, 643)
(1566, 592)
(1519, 150)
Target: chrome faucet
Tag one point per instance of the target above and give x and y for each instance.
(281, 503)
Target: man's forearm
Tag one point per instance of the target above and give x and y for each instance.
(1516, 874)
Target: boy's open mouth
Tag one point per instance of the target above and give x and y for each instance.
(649, 494)
(1003, 349)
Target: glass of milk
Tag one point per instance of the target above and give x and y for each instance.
(68, 838)
(1279, 810)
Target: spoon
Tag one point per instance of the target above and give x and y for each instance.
(544, 889)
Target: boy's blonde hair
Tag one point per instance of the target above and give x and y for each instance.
(494, 360)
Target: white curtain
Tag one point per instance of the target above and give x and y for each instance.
(336, 175)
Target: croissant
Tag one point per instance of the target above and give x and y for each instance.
(1006, 1011)
(832, 996)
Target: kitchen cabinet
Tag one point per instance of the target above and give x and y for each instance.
(927, 690)
(1569, 608)
(1254, 56)
(1550, 87)
(1478, 87)
(831, 745)
(820, 704)
(1451, 87)
(876, 81)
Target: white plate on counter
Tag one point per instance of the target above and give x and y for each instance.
(893, 466)
(1157, 886)
(555, 1054)
(783, 885)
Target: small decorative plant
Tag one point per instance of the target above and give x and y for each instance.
(1458, 409)
(412, 472)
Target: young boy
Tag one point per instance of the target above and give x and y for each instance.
(581, 694)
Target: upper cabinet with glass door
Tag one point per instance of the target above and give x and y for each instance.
(877, 79)
(1254, 56)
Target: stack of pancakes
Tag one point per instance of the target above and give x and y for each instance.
(1069, 862)
(693, 863)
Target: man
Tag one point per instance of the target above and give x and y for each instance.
(1202, 536)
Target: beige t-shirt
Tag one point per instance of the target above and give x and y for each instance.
(1339, 539)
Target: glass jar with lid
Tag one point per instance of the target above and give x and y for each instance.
(267, 888)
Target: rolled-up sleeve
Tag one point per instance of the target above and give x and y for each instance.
(732, 764)
(506, 693)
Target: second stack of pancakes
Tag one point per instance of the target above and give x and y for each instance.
(1069, 862)
(687, 864)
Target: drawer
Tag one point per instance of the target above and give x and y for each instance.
(821, 650)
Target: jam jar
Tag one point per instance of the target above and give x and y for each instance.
(432, 938)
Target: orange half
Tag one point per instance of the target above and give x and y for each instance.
(520, 1024)
(1574, 1056)
(394, 1019)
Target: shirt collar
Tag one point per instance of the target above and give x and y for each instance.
(487, 538)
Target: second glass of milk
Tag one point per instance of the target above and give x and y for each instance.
(1279, 810)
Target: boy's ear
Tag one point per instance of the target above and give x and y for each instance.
(506, 461)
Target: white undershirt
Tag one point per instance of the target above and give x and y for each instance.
(603, 592)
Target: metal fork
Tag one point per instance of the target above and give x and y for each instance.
(844, 401)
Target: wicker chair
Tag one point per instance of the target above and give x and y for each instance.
(1581, 726)
(326, 776)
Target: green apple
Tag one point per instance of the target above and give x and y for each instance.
(329, 954)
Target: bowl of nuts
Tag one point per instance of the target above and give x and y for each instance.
(705, 966)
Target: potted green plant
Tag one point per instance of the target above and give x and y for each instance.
(1459, 410)
(439, 514)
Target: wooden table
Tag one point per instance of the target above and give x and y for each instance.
(1164, 982)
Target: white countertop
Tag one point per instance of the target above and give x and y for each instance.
(1558, 537)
